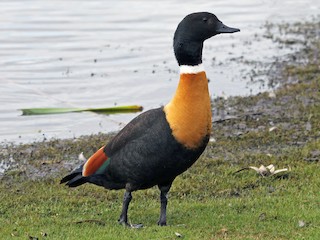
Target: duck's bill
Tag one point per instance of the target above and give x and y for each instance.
(225, 29)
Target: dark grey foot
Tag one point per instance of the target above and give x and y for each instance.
(162, 223)
(126, 224)
(140, 225)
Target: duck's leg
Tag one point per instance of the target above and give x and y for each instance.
(123, 219)
(164, 189)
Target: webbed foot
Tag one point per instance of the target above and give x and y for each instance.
(126, 224)
(162, 223)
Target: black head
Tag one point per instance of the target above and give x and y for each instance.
(192, 31)
(201, 26)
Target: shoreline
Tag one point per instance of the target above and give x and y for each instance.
(233, 116)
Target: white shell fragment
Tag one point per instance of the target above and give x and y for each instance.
(272, 129)
(265, 171)
(81, 157)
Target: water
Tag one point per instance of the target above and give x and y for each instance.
(102, 53)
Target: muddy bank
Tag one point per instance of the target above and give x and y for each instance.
(289, 111)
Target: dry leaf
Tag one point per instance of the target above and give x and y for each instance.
(223, 231)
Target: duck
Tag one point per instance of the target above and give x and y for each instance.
(160, 144)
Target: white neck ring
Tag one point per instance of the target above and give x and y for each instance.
(186, 69)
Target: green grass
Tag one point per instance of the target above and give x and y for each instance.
(208, 201)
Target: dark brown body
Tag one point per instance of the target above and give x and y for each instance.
(145, 154)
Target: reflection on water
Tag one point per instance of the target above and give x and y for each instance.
(101, 53)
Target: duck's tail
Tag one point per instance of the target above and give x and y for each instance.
(75, 178)
(96, 164)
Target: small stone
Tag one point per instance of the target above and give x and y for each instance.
(272, 95)
(301, 224)
(238, 133)
(262, 216)
(271, 189)
(33, 238)
(315, 153)
(242, 126)
(308, 126)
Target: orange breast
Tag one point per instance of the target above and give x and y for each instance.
(189, 111)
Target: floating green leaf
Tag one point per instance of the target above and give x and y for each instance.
(109, 110)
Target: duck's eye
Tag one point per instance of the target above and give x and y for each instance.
(204, 19)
